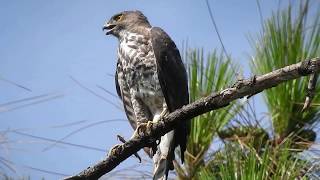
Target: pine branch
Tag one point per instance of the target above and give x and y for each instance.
(242, 88)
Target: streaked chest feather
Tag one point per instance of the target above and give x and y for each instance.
(138, 64)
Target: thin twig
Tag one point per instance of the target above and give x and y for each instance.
(15, 84)
(310, 91)
(34, 168)
(48, 98)
(216, 28)
(81, 129)
(107, 91)
(94, 93)
(26, 99)
(60, 142)
(220, 38)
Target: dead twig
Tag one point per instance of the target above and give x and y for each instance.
(310, 90)
(240, 89)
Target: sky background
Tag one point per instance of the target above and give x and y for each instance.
(47, 46)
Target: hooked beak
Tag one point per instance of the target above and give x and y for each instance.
(109, 27)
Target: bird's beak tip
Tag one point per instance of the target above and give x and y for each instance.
(109, 27)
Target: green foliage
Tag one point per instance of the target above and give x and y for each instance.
(240, 161)
(247, 133)
(249, 153)
(287, 39)
(206, 76)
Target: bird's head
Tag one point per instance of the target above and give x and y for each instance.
(126, 21)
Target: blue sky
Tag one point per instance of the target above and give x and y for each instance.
(44, 43)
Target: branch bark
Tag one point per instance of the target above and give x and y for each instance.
(242, 88)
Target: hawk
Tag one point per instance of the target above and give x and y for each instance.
(151, 81)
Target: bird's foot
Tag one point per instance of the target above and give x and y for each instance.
(164, 113)
(159, 117)
(143, 129)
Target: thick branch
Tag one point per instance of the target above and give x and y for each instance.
(240, 89)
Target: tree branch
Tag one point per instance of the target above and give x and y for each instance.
(240, 89)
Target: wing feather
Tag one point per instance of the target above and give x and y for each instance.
(173, 80)
(124, 94)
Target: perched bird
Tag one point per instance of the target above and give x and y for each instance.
(151, 81)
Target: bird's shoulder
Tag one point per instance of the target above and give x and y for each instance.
(158, 35)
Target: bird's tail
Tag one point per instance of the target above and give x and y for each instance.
(163, 159)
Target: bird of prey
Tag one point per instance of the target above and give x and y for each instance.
(151, 81)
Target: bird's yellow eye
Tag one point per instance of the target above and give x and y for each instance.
(118, 17)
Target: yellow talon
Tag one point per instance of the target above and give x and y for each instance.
(142, 128)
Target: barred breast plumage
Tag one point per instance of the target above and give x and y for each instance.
(138, 64)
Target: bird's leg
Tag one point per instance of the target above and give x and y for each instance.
(161, 157)
(141, 113)
(159, 116)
